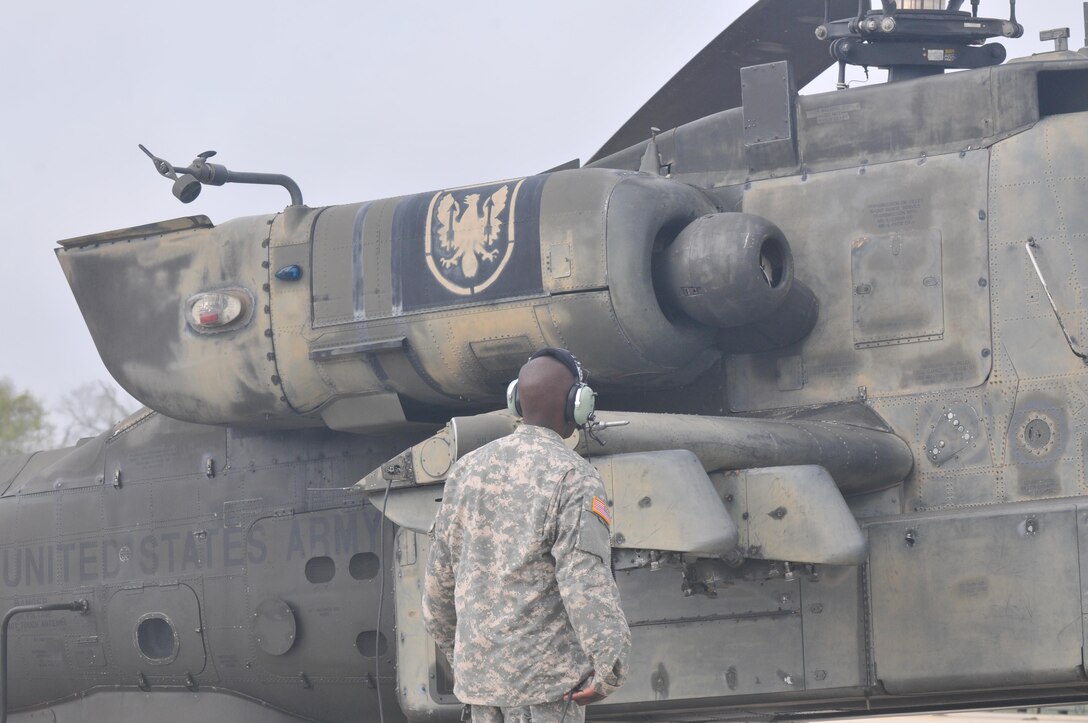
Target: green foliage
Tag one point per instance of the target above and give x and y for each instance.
(23, 425)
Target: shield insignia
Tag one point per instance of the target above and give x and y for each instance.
(470, 236)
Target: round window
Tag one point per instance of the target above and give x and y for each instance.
(364, 566)
(371, 642)
(156, 638)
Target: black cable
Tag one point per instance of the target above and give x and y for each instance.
(80, 606)
(570, 697)
(381, 600)
(589, 458)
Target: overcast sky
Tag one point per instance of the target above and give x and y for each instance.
(355, 100)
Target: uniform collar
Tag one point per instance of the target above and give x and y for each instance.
(533, 430)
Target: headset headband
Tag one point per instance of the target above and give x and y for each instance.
(565, 357)
(581, 400)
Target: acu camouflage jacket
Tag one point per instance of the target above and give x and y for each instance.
(519, 591)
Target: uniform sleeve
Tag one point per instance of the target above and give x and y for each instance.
(439, 610)
(583, 568)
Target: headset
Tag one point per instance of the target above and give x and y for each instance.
(581, 399)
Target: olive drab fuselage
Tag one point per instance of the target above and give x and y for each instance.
(836, 340)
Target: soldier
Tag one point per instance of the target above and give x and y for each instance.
(519, 592)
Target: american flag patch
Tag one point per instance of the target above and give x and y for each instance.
(600, 508)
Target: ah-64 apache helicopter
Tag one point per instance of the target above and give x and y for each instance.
(838, 336)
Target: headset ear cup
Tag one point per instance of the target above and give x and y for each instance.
(513, 403)
(572, 403)
(581, 404)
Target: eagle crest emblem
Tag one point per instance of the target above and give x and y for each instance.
(470, 236)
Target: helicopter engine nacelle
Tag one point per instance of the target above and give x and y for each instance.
(734, 271)
(727, 269)
(363, 315)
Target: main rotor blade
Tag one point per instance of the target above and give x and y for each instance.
(768, 31)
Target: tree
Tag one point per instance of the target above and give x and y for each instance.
(90, 409)
(23, 424)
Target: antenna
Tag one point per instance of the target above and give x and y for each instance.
(1060, 36)
(1031, 246)
(187, 186)
(167, 170)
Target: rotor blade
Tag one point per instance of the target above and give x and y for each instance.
(768, 31)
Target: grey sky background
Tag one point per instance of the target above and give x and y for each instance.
(354, 100)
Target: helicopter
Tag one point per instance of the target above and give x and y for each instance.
(840, 448)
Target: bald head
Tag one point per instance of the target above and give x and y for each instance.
(543, 386)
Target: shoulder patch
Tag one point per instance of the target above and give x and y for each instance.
(600, 508)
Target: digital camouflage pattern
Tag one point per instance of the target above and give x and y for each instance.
(519, 591)
(559, 711)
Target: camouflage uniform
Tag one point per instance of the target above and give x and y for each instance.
(543, 713)
(519, 591)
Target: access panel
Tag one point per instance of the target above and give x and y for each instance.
(896, 253)
(155, 630)
(986, 599)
